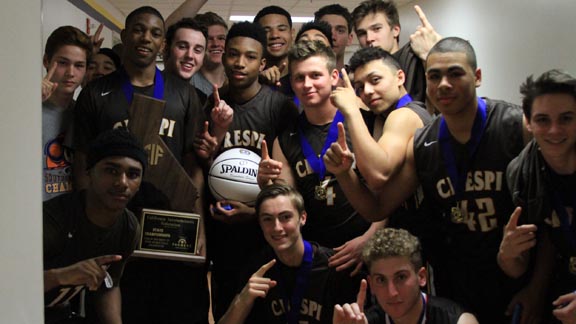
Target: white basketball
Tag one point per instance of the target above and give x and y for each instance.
(232, 176)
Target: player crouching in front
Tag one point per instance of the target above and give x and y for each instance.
(89, 234)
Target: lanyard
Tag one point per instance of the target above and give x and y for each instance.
(406, 99)
(316, 162)
(302, 277)
(422, 318)
(128, 88)
(459, 179)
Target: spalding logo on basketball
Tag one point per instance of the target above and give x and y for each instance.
(232, 176)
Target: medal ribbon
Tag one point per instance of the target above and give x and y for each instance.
(302, 277)
(128, 88)
(459, 179)
(316, 162)
(406, 99)
(422, 318)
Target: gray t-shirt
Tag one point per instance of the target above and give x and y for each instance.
(201, 83)
(56, 155)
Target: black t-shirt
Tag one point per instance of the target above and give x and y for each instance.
(332, 221)
(326, 288)
(413, 68)
(69, 237)
(465, 255)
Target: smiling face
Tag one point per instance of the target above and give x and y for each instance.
(143, 39)
(378, 85)
(216, 43)
(280, 223)
(396, 286)
(451, 82)
(70, 69)
(374, 31)
(113, 182)
(243, 62)
(312, 81)
(99, 66)
(186, 53)
(553, 124)
(279, 34)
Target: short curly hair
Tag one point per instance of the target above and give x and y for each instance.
(391, 242)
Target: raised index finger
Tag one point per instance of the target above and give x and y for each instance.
(422, 16)
(361, 297)
(51, 71)
(346, 78)
(513, 221)
(216, 96)
(265, 155)
(263, 269)
(342, 136)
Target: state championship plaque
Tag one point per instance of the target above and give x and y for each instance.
(171, 227)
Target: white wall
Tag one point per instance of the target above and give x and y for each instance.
(513, 38)
(21, 293)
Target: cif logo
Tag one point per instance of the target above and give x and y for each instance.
(182, 243)
(155, 152)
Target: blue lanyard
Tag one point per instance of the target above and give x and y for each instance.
(406, 99)
(316, 162)
(128, 88)
(459, 179)
(422, 318)
(302, 278)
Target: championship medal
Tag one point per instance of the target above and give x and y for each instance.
(320, 192)
(456, 214)
(572, 265)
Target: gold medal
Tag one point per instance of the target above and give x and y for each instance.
(572, 265)
(320, 192)
(456, 214)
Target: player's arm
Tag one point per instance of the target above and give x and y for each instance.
(108, 305)
(275, 167)
(88, 273)
(380, 163)
(257, 287)
(188, 9)
(513, 255)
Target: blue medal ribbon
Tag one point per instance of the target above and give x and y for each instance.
(302, 278)
(128, 88)
(406, 99)
(316, 161)
(459, 179)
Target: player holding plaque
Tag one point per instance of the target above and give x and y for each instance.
(152, 288)
(89, 234)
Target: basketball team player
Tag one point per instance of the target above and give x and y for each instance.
(379, 138)
(259, 114)
(460, 161)
(297, 157)
(289, 280)
(151, 288)
(541, 181)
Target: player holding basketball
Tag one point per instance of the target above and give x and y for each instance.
(469, 203)
(297, 157)
(259, 114)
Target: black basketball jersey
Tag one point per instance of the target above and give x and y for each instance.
(438, 311)
(332, 220)
(261, 118)
(469, 241)
(103, 105)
